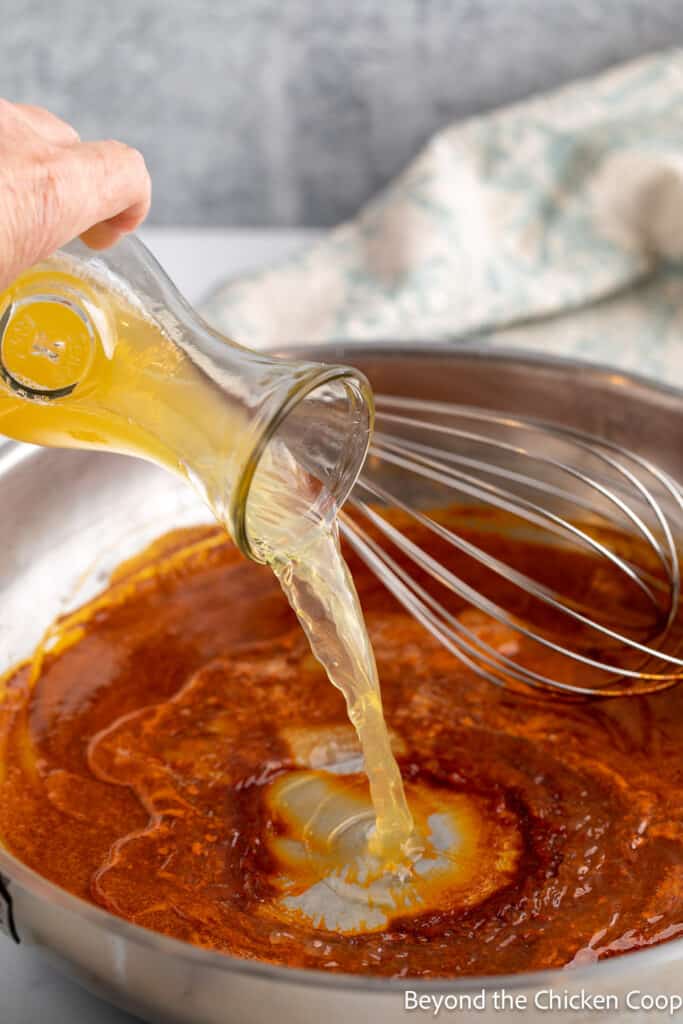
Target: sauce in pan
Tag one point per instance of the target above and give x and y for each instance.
(176, 755)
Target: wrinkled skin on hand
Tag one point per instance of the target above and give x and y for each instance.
(53, 188)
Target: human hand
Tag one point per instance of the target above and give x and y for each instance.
(53, 188)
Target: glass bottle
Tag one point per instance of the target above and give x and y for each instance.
(99, 350)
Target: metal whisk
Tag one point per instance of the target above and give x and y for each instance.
(620, 516)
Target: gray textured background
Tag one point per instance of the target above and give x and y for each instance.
(283, 112)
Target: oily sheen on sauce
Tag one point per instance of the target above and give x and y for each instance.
(177, 756)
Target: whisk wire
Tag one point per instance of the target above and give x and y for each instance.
(627, 491)
(427, 610)
(536, 484)
(426, 562)
(590, 444)
(521, 507)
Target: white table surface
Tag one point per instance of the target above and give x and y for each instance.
(198, 258)
(31, 992)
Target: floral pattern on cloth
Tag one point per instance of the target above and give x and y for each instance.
(555, 224)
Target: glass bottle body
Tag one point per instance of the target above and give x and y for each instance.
(100, 351)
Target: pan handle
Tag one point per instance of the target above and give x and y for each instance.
(7, 923)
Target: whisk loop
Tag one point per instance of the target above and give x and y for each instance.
(551, 484)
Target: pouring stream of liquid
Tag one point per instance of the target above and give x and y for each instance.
(133, 384)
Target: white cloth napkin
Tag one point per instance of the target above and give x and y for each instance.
(555, 224)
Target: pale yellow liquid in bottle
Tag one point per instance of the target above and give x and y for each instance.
(131, 390)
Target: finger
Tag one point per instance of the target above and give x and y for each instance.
(107, 233)
(102, 236)
(91, 184)
(47, 125)
(119, 182)
(66, 193)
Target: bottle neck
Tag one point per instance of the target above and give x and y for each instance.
(304, 463)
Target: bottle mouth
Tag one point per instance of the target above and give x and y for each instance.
(304, 464)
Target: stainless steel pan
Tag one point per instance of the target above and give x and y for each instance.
(68, 517)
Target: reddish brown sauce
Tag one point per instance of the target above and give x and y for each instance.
(138, 749)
